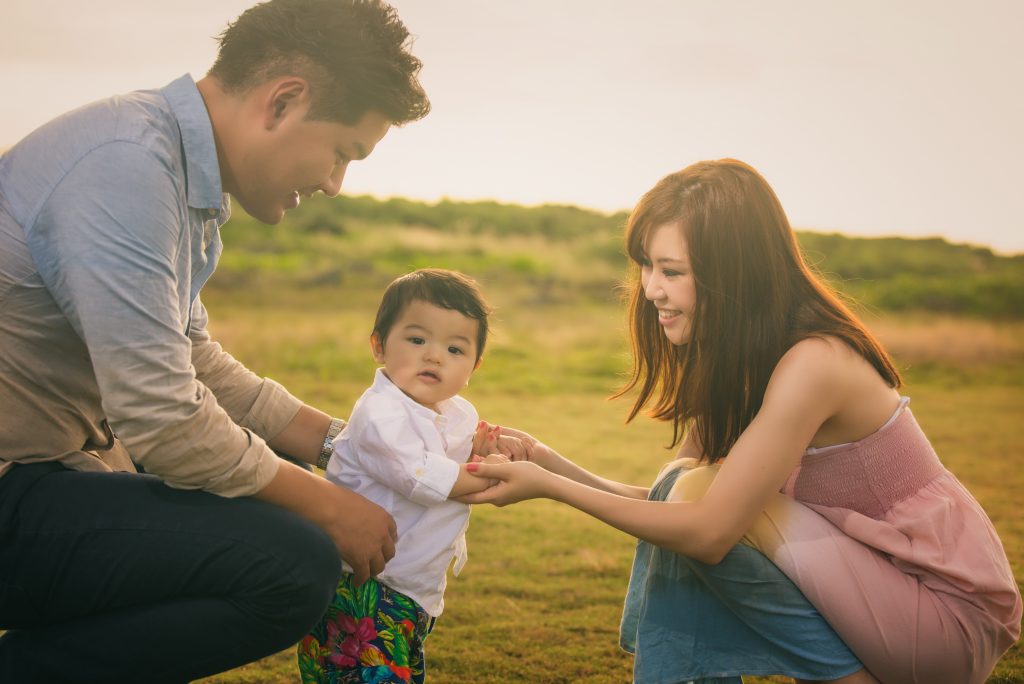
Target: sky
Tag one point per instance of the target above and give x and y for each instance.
(868, 117)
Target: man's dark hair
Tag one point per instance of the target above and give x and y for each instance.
(353, 53)
(437, 286)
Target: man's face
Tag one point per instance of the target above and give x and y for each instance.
(294, 157)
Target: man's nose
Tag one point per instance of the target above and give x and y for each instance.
(332, 186)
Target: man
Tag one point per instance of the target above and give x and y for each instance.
(109, 226)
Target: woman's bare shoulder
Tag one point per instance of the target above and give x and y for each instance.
(821, 356)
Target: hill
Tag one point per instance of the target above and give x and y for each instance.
(561, 253)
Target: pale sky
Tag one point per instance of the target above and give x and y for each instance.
(868, 117)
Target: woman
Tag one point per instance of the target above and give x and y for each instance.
(801, 471)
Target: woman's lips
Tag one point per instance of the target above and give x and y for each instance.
(666, 317)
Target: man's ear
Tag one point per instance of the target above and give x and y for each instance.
(285, 97)
(377, 348)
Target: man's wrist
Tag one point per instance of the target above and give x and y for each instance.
(327, 448)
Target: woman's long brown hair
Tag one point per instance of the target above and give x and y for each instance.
(756, 298)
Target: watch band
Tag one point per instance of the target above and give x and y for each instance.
(327, 448)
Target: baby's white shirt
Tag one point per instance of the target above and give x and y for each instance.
(405, 457)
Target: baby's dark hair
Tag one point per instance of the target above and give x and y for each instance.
(437, 286)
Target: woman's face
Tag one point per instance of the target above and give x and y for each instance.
(668, 281)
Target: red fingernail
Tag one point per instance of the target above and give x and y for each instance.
(472, 467)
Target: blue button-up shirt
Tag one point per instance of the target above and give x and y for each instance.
(109, 227)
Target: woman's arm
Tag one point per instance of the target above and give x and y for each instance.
(562, 466)
(552, 461)
(678, 526)
(807, 387)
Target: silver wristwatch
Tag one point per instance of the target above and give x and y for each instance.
(337, 425)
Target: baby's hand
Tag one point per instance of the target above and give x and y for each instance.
(485, 441)
(490, 440)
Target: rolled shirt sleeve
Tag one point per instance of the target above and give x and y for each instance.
(112, 262)
(257, 403)
(391, 451)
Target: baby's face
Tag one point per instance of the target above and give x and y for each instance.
(429, 353)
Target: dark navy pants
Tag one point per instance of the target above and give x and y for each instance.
(114, 577)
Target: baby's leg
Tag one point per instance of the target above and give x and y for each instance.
(370, 627)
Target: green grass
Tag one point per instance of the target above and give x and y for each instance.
(540, 599)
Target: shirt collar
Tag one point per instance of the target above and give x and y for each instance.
(202, 168)
(447, 408)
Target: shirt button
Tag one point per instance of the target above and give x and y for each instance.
(212, 212)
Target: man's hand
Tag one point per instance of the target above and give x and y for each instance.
(364, 533)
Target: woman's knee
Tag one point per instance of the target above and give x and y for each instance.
(692, 484)
(765, 534)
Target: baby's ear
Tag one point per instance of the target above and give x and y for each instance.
(376, 348)
(478, 362)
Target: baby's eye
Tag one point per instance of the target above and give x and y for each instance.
(456, 351)
(417, 340)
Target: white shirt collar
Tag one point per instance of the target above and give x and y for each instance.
(447, 409)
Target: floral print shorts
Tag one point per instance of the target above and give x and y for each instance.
(371, 635)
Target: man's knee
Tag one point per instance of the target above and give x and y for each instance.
(314, 574)
(290, 576)
(323, 568)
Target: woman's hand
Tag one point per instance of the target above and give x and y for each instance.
(536, 451)
(515, 482)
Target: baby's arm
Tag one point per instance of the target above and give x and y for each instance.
(467, 483)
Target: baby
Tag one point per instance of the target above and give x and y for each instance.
(405, 448)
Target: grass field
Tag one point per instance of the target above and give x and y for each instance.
(540, 599)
